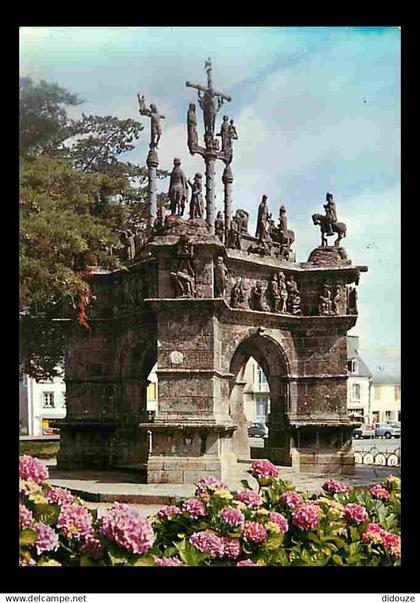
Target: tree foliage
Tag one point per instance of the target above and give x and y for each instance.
(77, 193)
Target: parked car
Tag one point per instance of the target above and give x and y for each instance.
(387, 430)
(258, 430)
(363, 432)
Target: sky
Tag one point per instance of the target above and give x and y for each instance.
(317, 110)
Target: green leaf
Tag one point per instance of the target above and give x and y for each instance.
(27, 537)
(337, 559)
(146, 560)
(47, 513)
(86, 560)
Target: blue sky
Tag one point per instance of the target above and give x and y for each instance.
(317, 109)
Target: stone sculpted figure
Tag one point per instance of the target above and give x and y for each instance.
(324, 305)
(220, 277)
(330, 214)
(159, 223)
(177, 189)
(238, 294)
(262, 220)
(352, 300)
(283, 292)
(224, 133)
(256, 300)
(234, 237)
(184, 276)
(286, 236)
(129, 244)
(153, 113)
(196, 203)
(219, 226)
(294, 297)
(242, 218)
(273, 295)
(336, 300)
(192, 140)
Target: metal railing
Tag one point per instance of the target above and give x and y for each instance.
(374, 456)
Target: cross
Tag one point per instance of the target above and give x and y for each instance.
(207, 98)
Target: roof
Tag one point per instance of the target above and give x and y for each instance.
(352, 346)
(379, 379)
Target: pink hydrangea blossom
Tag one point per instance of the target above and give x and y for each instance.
(33, 469)
(194, 507)
(60, 496)
(264, 469)
(380, 492)
(373, 534)
(306, 517)
(291, 499)
(392, 542)
(127, 528)
(168, 562)
(231, 547)
(26, 519)
(208, 542)
(232, 516)
(254, 532)
(245, 563)
(75, 522)
(250, 498)
(47, 539)
(209, 482)
(93, 547)
(168, 512)
(280, 520)
(25, 561)
(356, 513)
(331, 485)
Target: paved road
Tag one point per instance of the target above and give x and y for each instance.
(381, 443)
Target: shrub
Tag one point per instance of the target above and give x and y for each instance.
(274, 526)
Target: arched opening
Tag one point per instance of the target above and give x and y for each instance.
(260, 389)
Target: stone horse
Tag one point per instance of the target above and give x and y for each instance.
(338, 227)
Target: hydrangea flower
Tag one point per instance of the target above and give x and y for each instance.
(231, 547)
(75, 522)
(47, 539)
(378, 491)
(250, 498)
(26, 519)
(60, 496)
(356, 513)
(208, 542)
(232, 517)
(331, 485)
(264, 469)
(392, 542)
(33, 469)
(279, 520)
(127, 528)
(168, 512)
(27, 486)
(93, 547)
(210, 483)
(254, 532)
(291, 499)
(195, 508)
(245, 563)
(306, 517)
(373, 534)
(168, 562)
(26, 560)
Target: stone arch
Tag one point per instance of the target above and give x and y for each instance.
(274, 361)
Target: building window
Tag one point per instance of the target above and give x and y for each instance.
(388, 415)
(397, 392)
(261, 378)
(261, 409)
(352, 366)
(48, 399)
(355, 391)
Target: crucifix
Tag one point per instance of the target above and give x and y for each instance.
(210, 101)
(152, 160)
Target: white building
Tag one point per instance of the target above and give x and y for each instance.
(39, 403)
(386, 399)
(359, 384)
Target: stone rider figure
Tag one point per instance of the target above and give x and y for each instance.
(330, 214)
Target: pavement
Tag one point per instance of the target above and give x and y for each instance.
(101, 488)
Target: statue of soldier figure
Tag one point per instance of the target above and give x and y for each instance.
(224, 133)
(177, 189)
(196, 202)
(234, 236)
(220, 277)
(219, 226)
(286, 236)
(262, 221)
(153, 113)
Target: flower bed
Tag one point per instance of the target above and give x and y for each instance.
(274, 526)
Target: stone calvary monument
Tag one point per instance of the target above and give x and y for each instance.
(200, 296)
